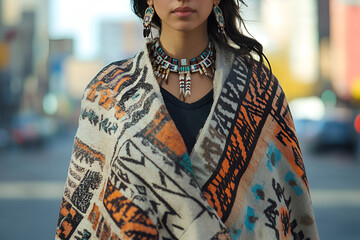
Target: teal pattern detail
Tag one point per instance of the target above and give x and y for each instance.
(186, 163)
(259, 192)
(136, 95)
(235, 234)
(104, 124)
(274, 156)
(290, 178)
(108, 126)
(149, 11)
(210, 209)
(250, 219)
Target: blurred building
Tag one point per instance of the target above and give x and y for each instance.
(23, 61)
(1, 17)
(345, 48)
(24, 38)
(78, 74)
(59, 51)
(323, 10)
(120, 39)
(290, 39)
(16, 66)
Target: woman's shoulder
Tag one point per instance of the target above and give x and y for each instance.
(111, 72)
(257, 74)
(245, 62)
(117, 70)
(104, 88)
(259, 71)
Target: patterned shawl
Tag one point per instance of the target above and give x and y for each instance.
(130, 176)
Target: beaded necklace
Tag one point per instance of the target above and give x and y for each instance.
(163, 64)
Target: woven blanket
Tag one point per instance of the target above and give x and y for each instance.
(131, 177)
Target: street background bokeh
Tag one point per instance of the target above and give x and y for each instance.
(51, 49)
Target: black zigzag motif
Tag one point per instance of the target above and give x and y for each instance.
(224, 113)
(286, 135)
(161, 190)
(69, 219)
(228, 101)
(254, 107)
(82, 195)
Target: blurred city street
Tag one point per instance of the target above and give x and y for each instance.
(31, 185)
(51, 49)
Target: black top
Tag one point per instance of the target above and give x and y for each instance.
(189, 118)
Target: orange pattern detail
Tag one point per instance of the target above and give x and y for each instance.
(67, 228)
(107, 96)
(133, 221)
(89, 150)
(166, 136)
(284, 230)
(94, 216)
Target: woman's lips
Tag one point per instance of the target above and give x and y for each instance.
(183, 11)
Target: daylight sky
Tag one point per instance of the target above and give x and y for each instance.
(80, 20)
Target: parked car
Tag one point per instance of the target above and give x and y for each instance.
(30, 128)
(334, 130)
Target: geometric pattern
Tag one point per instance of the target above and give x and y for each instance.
(130, 176)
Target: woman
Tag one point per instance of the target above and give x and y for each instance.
(190, 139)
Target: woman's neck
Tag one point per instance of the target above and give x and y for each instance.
(180, 44)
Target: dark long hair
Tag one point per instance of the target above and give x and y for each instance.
(234, 40)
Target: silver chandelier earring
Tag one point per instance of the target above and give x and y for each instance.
(219, 19)
(149, 14)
